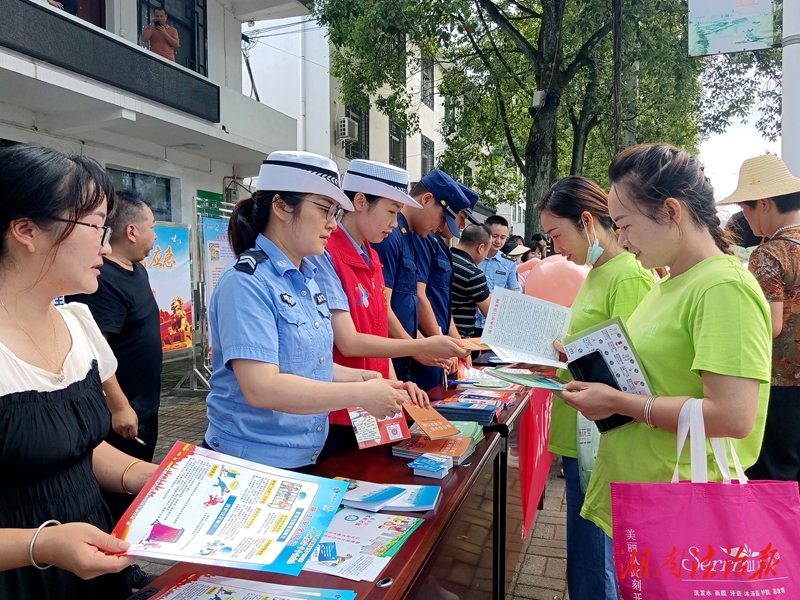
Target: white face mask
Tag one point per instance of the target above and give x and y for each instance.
(595, 250)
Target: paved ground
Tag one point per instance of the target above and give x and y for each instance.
(540, 573)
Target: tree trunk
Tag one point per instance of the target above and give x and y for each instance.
(580, 134)
(539, 154)
(539, 159)
(583, 125)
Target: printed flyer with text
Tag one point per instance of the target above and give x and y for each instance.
(209, 508)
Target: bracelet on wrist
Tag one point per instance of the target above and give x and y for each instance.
(648, 411)
(125, 474)
(41, 567)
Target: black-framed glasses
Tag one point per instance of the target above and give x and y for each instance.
(105, 237)
(335, 212)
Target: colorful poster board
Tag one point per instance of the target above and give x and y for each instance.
(209, 508)
(218, 253)
(170, 274)
(723, 26)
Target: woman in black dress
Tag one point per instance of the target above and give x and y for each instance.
(53, 414)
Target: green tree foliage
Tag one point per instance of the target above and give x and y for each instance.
(495, 55)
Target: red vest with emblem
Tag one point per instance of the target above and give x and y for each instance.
(365, 290)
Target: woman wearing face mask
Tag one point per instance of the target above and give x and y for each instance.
(703, 332)
(575, 215)
(274, 379)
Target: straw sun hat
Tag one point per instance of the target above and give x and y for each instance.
(763, 177)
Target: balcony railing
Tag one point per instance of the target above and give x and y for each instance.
(46, 35)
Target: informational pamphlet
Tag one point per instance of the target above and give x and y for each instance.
(481, 410)
(610, 339)
(522, 328)
(604, 354)
(197, 586)
(377, 496)
(210, 508)
(416, 498)
(374, 432)
(502, 397)
(525, 378)
(459, 447)
(473, 344)
(369, 496)
(358, 545)
(430, 421)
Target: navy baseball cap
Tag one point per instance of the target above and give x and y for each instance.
(448, 193)
(472, 198)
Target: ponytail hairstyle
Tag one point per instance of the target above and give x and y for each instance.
(251, 215)
(572, 196)
(651, 173)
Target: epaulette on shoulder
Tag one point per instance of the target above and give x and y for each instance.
(506, 256)
(248, 262)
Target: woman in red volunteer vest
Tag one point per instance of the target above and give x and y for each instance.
(350, 275)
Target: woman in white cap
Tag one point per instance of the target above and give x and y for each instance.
(351, 276)
(272, 342)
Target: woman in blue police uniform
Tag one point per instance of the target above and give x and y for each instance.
(272, 343)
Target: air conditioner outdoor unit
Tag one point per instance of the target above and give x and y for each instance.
(232, 195)
(348, 130)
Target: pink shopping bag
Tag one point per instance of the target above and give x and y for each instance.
(675, 541)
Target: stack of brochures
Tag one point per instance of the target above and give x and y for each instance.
(418, 498)
(358, 545)
(525, 377)
(196, 586)
(369, 496)
(468, 429)
(467, 395)
(480, 410)
(457, 447)
(474, 377)
(407, 498)
(412, 498)
(432, 465)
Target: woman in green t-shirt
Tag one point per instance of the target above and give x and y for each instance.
(575, 215)
(702, 332)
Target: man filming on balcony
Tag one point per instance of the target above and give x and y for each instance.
(163, 38)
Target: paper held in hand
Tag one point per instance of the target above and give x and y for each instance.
(430, 421)
(608, 343)
(521, 328)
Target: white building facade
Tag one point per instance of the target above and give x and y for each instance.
(85, 84)
(291, 70)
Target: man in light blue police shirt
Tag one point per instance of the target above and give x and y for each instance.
(499, 269)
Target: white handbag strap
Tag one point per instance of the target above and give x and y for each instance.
(690, 422)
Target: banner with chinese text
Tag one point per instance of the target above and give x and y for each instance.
(170, 276)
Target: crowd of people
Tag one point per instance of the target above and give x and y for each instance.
(352, 293)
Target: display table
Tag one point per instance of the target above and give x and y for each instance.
(469, 544)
